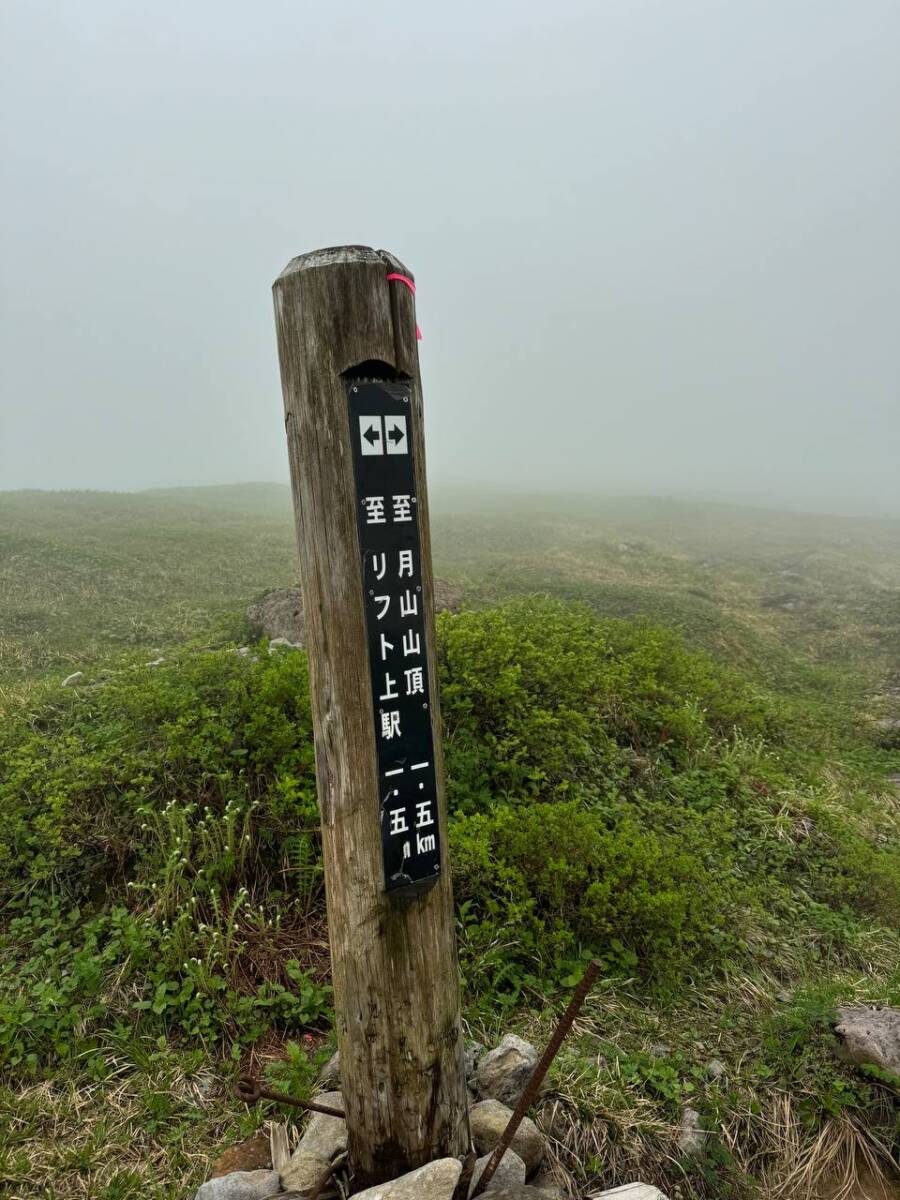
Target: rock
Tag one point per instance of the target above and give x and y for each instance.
(510, 1171)
(553, 1182)
(447, 597)
(870, 1036)
(436, 1181)
(240, 1185)
(691, 1136)
(488, 1120)
(516, 1191)
(282, 644)
(253, 1154)
(278, 613)
(716, 1069)
(73, 679)
(324, 1136)
(330, 1075)
(472, 1053)
(157, 662)
(503, 1072)
(302, 1173)
(660, 1050)
(630, 1191)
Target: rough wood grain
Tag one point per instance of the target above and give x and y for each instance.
(393, 960)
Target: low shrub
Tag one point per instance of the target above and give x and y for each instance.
(611, 794)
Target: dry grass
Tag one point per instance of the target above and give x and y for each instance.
(605, 1129)
(137, 1133)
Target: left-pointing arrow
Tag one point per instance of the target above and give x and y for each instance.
(372, 435)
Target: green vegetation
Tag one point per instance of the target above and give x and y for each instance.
(692, 790)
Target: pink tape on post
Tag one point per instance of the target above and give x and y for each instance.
(412, 287)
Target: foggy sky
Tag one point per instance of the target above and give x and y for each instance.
(656, 241)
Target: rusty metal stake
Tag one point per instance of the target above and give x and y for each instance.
(537, 1076)
(250, 1090)
(327, 1176)
(461, 1191)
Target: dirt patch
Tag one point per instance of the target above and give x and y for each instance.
(254, 1154)
(868, 1188)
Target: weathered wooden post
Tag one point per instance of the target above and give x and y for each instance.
(353, 413)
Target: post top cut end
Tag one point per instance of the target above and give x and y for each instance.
(331, 256)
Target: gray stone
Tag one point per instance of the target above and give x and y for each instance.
(472, 1054)
(240, 1185)
(436, 1181)
(324, 1136)
(660, 1050)
(630, 1191)
(517, 1191)
(278, 613)
(553, 1182)
(870, 1036)
(447, 597)
(691, 1136)
(510, 1171)
(302, 1173)
(503, 1072)
(330, 1075)
(488, 1120)
(716, 1069)
(73, 679)
(276, 644)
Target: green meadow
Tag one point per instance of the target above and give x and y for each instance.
(672, 735)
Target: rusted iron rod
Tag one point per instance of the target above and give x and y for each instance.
(327, 1176)
(461, 1191)
(250, 1090)
(529, 1096)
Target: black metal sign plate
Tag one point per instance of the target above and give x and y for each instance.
(388, 522)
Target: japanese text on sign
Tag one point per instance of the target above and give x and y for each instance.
(388, 524)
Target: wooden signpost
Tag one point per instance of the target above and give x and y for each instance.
(353, 415)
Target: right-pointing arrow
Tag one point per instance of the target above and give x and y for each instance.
(396, 435)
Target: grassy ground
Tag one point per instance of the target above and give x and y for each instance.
(792, 596)
(119, 1067)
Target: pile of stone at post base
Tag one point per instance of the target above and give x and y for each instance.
(496, 1080)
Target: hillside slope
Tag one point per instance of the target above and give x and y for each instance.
(675, 765)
